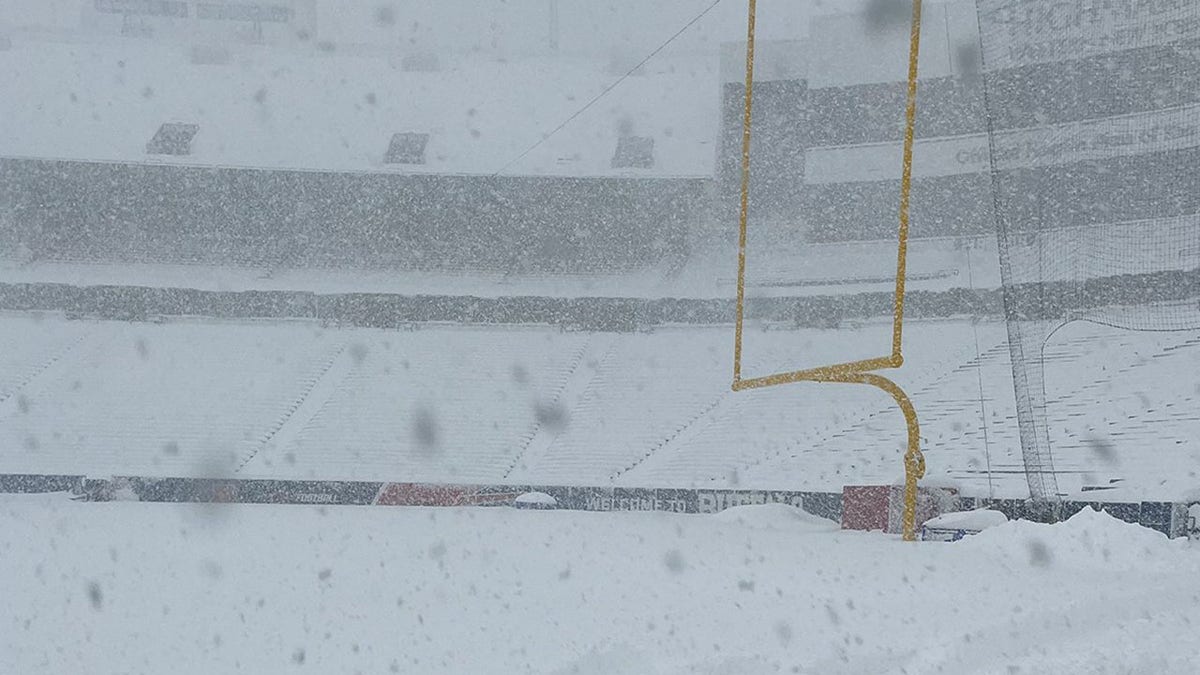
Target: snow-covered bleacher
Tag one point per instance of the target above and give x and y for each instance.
(535, 405)
(429, 405)
(186, 398)
(646, 389)
(820, 434)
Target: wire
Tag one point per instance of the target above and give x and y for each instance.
(987, 446)
(614, 85)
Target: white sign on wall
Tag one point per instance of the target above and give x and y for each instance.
(1122, 136)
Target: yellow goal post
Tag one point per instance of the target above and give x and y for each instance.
(851, 372)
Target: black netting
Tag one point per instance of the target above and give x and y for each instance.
(1093, 112)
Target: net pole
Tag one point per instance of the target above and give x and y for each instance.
(1039, 469)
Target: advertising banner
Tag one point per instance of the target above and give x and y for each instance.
(1039, 31)
(427, 494)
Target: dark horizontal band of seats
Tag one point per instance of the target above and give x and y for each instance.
(957, 205)
(873, 113)
(1121, 189)
(780, 134)
(390, 310)
(1034, 300)
(1117, 83)
(157, 213)
(1113, 190)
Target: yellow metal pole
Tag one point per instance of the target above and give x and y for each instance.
(745, 205)
(910, 118)
(914, 460)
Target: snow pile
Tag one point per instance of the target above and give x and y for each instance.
(535, 500)
(155, 588)
(41, 499)
(974, 521)
(775, 517)
(1090, 539)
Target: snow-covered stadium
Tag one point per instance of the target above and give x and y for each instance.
(449, 253)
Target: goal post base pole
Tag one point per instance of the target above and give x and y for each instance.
(914, 459)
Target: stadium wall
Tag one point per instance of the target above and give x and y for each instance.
(856, 507)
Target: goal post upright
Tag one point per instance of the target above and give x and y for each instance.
(744, 211)
(853, 372)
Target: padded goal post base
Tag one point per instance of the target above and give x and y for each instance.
(881, 507)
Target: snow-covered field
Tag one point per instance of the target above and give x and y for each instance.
(277, 589)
